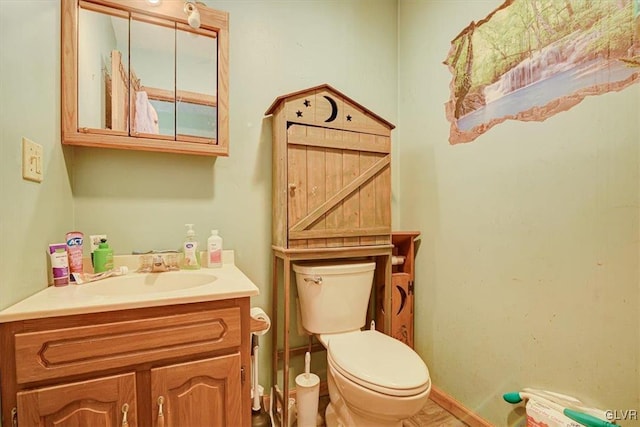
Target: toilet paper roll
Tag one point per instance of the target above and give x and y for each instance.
(258, 313)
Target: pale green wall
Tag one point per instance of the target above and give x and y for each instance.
(142, 200)
(527, 273)
(31, 215)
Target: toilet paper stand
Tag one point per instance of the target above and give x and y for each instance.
(258, 326)
(283, 258)
(400, 317)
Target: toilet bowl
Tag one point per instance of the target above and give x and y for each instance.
(373, 379)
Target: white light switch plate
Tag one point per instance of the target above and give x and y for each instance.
(31, 160)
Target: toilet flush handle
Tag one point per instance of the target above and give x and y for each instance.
(315, 280)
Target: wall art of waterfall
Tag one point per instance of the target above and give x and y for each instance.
(531, 59)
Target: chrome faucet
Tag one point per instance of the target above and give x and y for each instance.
(158, 264)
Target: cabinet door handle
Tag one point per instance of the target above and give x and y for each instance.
(160, 413)
(125, 410)
(292, 188)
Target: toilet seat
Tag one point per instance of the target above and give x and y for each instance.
(377, 362)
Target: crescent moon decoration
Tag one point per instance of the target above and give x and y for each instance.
(403, 299)
(334, 109)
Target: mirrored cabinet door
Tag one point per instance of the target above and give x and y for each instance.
(102, 79)
(196, 90)
(139, 77)
(153, 59)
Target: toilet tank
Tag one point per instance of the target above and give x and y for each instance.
(334, 296)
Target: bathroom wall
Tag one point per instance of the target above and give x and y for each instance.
(528, 265)
(527, 271)
(32, 215)
(142, 200)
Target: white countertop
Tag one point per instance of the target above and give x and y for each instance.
(227, 282)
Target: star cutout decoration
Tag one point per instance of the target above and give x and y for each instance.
(349, 117)
(299, 113)
(307, 103)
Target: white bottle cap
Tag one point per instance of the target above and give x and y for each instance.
(190, 231)
(214, 232)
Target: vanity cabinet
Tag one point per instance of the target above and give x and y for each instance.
(211, 385)
(107, 401)
(176, 365)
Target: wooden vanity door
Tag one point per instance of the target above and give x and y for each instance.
(339, 188)
(100, 402)
(202, 393)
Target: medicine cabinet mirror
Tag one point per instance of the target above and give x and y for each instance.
(137, 76)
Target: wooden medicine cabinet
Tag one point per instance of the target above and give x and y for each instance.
(137, 76)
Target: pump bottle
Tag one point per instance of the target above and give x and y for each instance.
(102, 257)
(190, 250)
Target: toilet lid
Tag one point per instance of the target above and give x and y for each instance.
(370, 357)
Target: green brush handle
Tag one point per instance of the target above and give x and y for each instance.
(512, 397)
(586, 419)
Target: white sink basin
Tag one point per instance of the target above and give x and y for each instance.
(136, 284)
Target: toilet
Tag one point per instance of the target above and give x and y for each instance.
(373, 379)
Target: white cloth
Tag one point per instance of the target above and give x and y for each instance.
(146, 118)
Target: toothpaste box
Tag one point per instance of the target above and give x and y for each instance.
(541, 415)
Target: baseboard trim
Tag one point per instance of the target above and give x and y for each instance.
(457, 409)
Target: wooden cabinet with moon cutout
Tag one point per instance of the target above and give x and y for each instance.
(331, 166)
(331, 201)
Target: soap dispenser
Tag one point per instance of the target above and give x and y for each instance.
(102, 257)
(190, 249)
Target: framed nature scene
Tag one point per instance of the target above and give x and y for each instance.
(531, 59)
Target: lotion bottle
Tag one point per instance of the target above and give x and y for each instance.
(214, 250)
(190, 250)
(102, 257)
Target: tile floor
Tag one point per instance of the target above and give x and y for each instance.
(432, 415)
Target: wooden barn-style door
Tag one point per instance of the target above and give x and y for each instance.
(339, 187)
(331, 172)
